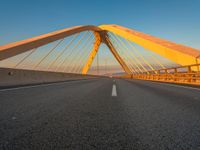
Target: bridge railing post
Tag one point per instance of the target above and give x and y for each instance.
(166, 74)
(176, 75)
(158, 72)
(189, 74)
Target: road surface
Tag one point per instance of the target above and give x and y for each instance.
(100, 114)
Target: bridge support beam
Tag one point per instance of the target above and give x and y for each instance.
(116, 55)
(102, 37)
(92, 53)
(19, 47)
(177, 53)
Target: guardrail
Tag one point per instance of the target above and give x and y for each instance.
(185, 75)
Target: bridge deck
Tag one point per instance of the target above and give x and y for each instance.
(84, 115)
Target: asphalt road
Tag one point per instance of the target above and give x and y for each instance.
(94, 114)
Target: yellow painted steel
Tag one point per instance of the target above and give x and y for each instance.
(157, 61)
(93, 53)
(85, 55)
(134, 63)
(180, 54)
(19, 47)
(144, 60)
(117, 56)
(84, 47)
(76, 45)
(137, 60)
(177, 53)
(99, 39)
(172, 75)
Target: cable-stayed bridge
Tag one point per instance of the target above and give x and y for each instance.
(56, 91)
(74, 49)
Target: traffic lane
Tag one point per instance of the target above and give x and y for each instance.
(13, 98)
(162, 117)
(133, 120)
(95, 120)
(23, 108)
(178, 95)
(179, 89)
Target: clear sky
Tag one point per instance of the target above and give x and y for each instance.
(174, 20)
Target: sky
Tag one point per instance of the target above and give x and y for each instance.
(174, 20)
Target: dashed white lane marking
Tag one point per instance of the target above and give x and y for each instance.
(114, 90)
(13, 118)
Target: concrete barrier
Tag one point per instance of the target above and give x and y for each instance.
(16, 77)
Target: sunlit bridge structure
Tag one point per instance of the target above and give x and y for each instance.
(99, 87)
(73, 50)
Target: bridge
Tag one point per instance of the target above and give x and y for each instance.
(52, 99)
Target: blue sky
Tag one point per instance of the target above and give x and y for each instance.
(175, 20)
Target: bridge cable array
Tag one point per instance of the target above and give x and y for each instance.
(72, 50)
(71, 53)
(65, 55)
(134, 57)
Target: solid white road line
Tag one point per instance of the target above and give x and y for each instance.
(176, 85)
(40, 85)
(181, 86)
(114, 90)
(29, 86)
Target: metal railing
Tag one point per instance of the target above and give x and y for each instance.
(185, 75)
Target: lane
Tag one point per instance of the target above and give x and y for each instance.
(85, 115)
(164, 117)
(31, 106)
(17, 87)
(69, 116)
